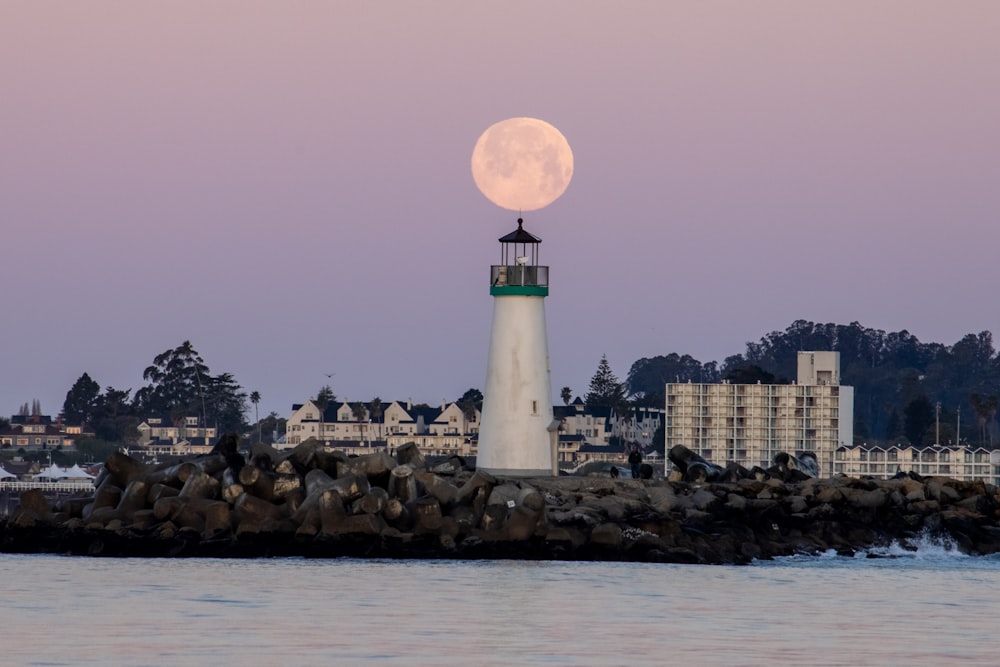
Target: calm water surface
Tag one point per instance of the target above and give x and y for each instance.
(928, 608)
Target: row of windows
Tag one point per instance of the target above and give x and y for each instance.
(755, 391)
(22, 441)
(915, 455)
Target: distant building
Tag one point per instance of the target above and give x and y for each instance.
(165, 433)
(33, 432)
(750, 423)
(959, 462)
(593, 425)
(443, 430)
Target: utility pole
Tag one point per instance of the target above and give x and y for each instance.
(937, 423)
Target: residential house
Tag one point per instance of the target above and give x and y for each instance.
(40, 432)
(438, 431)
(183, 435)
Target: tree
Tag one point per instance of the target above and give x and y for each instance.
(180, 385)
(225, 403)
(255, 399)
(324, 397)
(468, 403)
(566, 395)
(605, 388)
(360, 415)
(985, 408)
(894, 426)
(648, 377)
(271, 427)
(177, 379)
(377, 410)
(751, 374)
(918, 417)
(660, 439)
(82, 400)
(95, 449)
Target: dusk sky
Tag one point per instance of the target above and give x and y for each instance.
(287, 185)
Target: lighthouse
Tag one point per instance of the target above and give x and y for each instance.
(517, 429)
(520, 164)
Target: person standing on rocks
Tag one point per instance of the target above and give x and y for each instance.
(635, 460)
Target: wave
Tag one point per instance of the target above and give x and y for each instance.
(924, 547)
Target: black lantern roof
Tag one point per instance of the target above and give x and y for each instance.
(519, 235)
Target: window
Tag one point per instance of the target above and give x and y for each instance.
(534, 407)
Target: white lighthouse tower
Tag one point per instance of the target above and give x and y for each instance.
(520, 164)
(516, 429)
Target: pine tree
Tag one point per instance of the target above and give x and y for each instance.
(606, 390)
(80, 406)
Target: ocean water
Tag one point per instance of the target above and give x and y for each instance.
(926, 607)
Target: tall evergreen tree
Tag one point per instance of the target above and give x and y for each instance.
(606, 390)
(82, 401)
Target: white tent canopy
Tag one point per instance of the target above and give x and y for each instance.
(4, 474)
(76, 472)
(52, 472)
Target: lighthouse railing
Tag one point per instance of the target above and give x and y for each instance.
(504, 275)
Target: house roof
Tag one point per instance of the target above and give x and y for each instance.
(590, 447)
(30, 419)
(561, 411)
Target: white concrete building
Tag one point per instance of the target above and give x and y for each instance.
(749, 424)
(961, 462)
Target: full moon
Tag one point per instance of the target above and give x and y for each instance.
(522, 164)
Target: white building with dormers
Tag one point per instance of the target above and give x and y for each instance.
(443, 430)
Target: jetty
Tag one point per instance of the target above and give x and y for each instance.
(316, 502)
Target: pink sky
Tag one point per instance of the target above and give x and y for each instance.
(287, 184)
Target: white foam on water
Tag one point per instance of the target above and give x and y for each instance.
(924, 546)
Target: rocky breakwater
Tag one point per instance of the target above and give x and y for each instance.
(317, 502)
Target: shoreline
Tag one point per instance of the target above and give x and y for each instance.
(317, 503)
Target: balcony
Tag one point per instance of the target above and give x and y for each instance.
(519, 279)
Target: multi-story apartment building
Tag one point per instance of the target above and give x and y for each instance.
(960, 462)
(749, 424)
